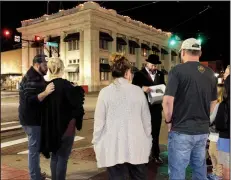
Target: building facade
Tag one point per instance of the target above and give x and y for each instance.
(11, 68)
(87, 35)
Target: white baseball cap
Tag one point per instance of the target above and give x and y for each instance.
(191, 44)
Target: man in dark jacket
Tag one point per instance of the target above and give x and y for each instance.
(32, 92)
(151, 76)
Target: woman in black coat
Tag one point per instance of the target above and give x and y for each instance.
(222, 123)
(63, 112)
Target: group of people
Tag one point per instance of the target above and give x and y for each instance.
(127, 125)
(49, 112)
(219, 137)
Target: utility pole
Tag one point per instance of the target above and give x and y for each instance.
(47, 7)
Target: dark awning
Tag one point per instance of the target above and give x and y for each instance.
(104, 67)
(71, 37)
(163, 51)
(145, 46)
(54, 39)
(155, 49)
(164, 71)
(105, 36)
(121, 41)
(12, 74)
(74, 68)
(173, 53)
(133, 44)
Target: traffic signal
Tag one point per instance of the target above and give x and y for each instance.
(173, 40)
(6, 33)
(201, 38)
(37, 38)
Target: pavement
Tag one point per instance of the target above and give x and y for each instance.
(82, 162)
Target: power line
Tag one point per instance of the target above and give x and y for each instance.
(102, 3)
(208, 7)
(138, 7)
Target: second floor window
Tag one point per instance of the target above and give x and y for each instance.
(120, 48)
(132, 50)
(73, 45)
(144, 52)
(103, 44)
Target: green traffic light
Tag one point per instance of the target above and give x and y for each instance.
(172, 42)
(200, 40)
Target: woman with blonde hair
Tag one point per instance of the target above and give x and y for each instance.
(222, 123)
(62, 113)
(122, 126)
(227, 72)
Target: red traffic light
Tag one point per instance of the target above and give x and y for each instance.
(6, 33)
(37, 38)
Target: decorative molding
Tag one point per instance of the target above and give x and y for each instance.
(92, 6)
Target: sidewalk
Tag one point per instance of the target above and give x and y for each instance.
(81, 166)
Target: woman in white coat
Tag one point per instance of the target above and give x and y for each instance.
(122, 126)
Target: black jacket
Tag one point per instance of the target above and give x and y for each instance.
(60, 107)
(31, 85)
(222, 120)
(142, 78)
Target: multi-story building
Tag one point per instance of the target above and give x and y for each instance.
(87, 35)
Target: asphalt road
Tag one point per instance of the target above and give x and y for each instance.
(9, 106)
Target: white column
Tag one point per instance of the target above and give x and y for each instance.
(25, 56)
(177, 58)
(138, 56)
(159, 54)
(91, 58)
(62, 51)
(112, 50)
(169, 60)
(113, 43)
(32, 53)
(46, 48)
(81, 59)
(126, 48)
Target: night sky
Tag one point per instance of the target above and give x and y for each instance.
(213, 24)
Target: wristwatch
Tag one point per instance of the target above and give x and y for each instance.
(167, 122)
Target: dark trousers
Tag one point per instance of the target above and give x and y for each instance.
(156, 119)
(127, 171)
(59, 160)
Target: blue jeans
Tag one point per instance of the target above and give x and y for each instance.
(33, 133)
(59, 160)
(186, 149)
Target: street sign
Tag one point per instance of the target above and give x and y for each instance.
(52, 44)
(17, 38)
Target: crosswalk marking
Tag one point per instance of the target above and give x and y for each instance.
(7, 123)
(10, 128)
(77, 138)
(14, 142)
